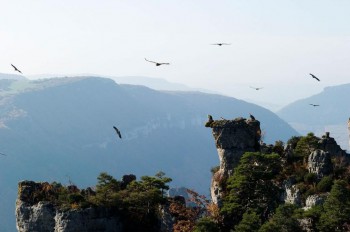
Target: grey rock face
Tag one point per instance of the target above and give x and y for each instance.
(39, 216)
(43, 217)
(86, 220)
(291, 194)
(313, 200)
(232, 139)
(319, 162)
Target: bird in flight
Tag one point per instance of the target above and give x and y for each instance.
(256, 88)
(3, 154)
(117, 131)
(313, 105)
(16, 69)
(157, 63)
(313, 76)
(220, 44)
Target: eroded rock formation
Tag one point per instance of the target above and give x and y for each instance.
(33, 215)
(319, 162)
(232, 139)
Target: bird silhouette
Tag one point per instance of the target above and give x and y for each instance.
(251, 116)
(313, 76)
(16, 69)
(220, 44)
(117, 131)
(313, 105)
(3, 154)
(256, 88)
(157, 63)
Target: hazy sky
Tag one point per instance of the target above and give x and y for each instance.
(275, 44)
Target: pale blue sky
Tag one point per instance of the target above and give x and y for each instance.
(275, 44)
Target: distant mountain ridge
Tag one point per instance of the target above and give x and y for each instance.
(11, 76)
(332, 113)
(60, 129)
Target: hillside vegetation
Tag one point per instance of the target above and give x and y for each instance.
(254, 196)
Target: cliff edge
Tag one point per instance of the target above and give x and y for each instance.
(232, 138)
(34, 215)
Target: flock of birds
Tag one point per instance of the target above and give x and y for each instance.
(164, 63)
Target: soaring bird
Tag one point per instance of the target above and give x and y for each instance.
(157, 63)
(256, 88)
(3, 154)
(313, 76)
(118, 132)
(251, 116)
(313, 105)
(16, 69)
(220, 44)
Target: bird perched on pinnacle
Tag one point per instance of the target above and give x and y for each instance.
(210, 118)
(210, 121)
(251, 116)
(117, 131)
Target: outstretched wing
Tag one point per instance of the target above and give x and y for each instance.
(220, 44)
(256, 88)
(151, 61)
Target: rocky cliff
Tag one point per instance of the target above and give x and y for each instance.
(42, 216)
(232, 139)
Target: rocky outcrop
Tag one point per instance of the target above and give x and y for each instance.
(320, 163)
(42, 216)
(232, 139)
(291, 193)
(312, 200)
(329, 145)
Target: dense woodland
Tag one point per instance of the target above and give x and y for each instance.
(251, 199)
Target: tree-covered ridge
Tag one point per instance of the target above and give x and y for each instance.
(137, 202)
(254, 196)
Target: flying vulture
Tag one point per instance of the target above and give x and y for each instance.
(313, 76)
(157, 63)
(256, 88)
(16, 69)
(220, 44)
(117, 131)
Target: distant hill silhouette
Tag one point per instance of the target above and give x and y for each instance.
(332, 114)
(61, 129)
(11, 76)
